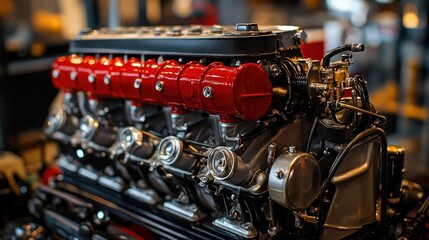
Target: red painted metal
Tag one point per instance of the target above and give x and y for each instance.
(149, 74)
(169, 77)
(102, 77)
(115, 70)
(189, 85)
(50, 173)
(84, 71)
(243, 92)
(67, 67)
(130, 74)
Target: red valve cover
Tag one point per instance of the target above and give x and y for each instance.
(85, 75)
(102, 77)
(130, 79)
(244, 92)
(115, 69)
(66, 68)
(149, 74)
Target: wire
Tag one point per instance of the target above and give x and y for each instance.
(347, 106)
(313, 127)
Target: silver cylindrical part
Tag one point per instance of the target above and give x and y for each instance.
(133, 142)
(59, 121)
(225, 165)
(294, 180)
(170, 153)
(90, 131)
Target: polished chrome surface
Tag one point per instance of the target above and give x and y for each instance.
(294, 179)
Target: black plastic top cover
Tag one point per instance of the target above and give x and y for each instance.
(212, 41)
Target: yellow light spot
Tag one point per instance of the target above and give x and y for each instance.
(410, 17)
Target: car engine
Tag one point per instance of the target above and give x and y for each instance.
(219, 132)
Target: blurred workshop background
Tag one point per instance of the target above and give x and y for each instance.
(395, 63)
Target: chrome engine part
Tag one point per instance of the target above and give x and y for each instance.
(219, 133)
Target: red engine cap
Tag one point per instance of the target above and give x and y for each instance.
(102, 77)
(189, 85)
(64, 72)
(115, 69)
(85, 74)
(252, 91)
(150, 70)
(131, 80)
(244, 92)
(167, 83)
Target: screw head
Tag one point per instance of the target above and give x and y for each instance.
(275, 70)
(300, 38)
(106, 79)
(246, 225)
(160, 59)
(193, 208)
(279, 174)
(137, 83)
(203, 181)
(246, 27)
(196, 29)
(55, 73)
(216, 29)
(207, 92)
(91, 78)
(73, 75)
(159, 86)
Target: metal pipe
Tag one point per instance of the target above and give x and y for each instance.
(114, 20)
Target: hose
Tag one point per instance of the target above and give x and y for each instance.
(354, 47)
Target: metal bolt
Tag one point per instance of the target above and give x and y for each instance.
(196, 29)
(137, 83)
(272, 230)
(246, 27)
(73, 75)
(292, 149)
(203, 181)
(275, 70)
(158, 30)
(160, 59)
(216, 29)
(246, 225)
(300, 38)
(55, 73)
(207, 92)
(91, 78)
(159, 86)
(175, 31)
(193, 208)
(107, 79)
(279, 174)
(234, 214)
